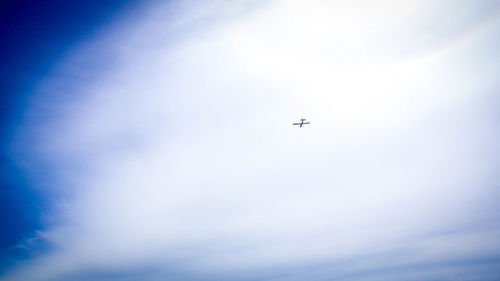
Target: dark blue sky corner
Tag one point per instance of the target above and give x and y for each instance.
(35, 36)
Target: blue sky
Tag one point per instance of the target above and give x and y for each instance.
(35, 37)
(153, 140)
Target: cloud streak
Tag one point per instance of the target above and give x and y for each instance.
(180, 161)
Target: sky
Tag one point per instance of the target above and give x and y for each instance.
(153, 140)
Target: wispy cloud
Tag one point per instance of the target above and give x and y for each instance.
(180, 161)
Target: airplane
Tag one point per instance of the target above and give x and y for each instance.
(302, 123)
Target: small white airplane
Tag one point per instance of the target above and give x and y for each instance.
(302, 123)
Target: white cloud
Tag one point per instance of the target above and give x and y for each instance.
(187, 158)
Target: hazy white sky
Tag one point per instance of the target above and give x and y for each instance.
(176, 160)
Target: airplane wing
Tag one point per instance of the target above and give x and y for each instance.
(296, 124)
(306, 123)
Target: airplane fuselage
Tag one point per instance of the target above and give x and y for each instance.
(302, 123)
